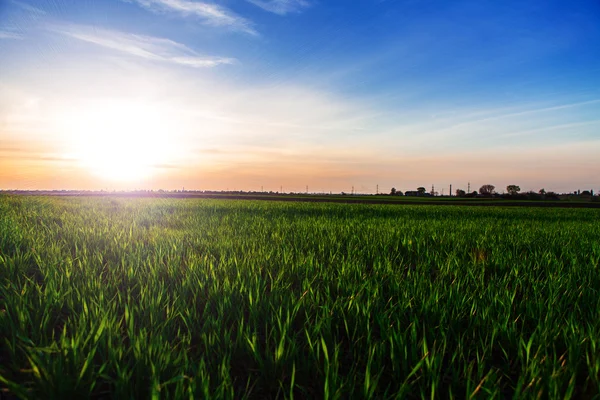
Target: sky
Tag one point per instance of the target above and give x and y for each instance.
(284, 94)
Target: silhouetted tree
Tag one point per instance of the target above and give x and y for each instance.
(421, 190)
(393, 191)
(460, 193)
(487, 190)
(542, 191)
(512, 189)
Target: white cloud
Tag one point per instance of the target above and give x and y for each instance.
(281, 7)
(10, 35)
(147, 47)
(211, 14)
(201, 62)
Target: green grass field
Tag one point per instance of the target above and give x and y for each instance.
(187, 298)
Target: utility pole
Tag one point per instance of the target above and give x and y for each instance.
(306, 189)
(432, 190)
(352, 190)
(450, 190)
(469, 188)
(261, 189)
(281, 190)
(377, 192)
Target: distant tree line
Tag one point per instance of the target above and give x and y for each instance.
(512, 192)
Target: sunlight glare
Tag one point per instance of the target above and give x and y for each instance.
(121, 140)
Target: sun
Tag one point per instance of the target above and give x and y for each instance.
(120, 140)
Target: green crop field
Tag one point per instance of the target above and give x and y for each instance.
(188, 298)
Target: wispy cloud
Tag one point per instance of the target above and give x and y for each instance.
(147, 47)
(531, 111)
(202, 62)
(28, 7)
(551, 128)
(281, 7)
(10, 35)
(497, 123)
(211, 14)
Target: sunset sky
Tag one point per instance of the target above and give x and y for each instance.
(244, 94)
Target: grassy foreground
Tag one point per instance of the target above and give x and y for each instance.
(168, 298)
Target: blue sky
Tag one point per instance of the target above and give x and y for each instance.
(330, 94)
